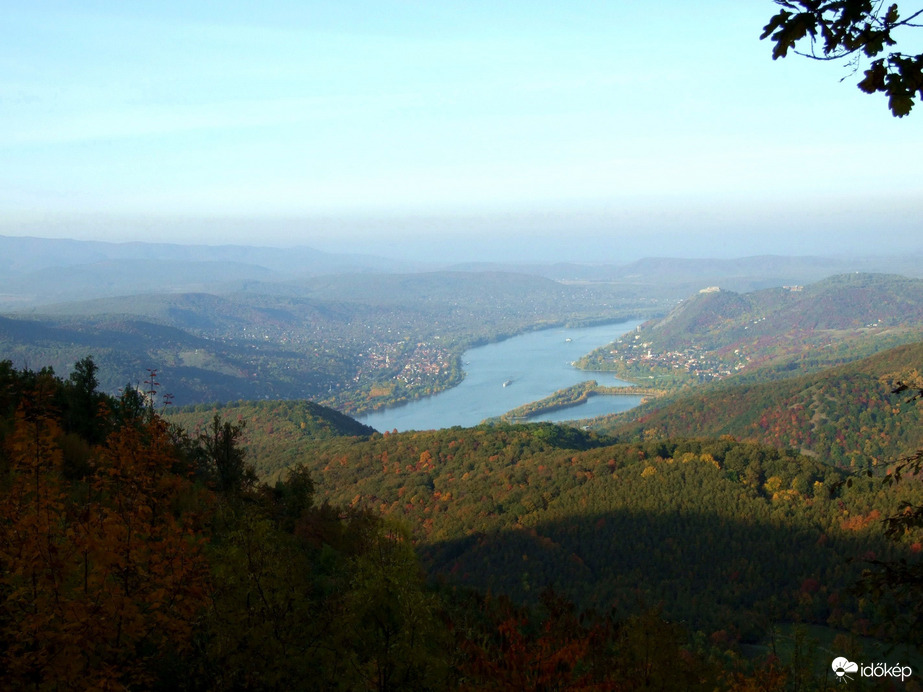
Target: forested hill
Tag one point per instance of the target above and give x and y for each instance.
(845, 415)
(275, 432)
(717, 333)
(848, 301)
(277, 418)
(515, 509)
(721, 534)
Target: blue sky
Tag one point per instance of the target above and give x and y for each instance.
(580, 130)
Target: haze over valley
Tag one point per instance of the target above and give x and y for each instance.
(361, 333)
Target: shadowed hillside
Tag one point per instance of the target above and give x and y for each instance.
(714, 530)
(845, 415)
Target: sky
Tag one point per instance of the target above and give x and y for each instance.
(534, 130)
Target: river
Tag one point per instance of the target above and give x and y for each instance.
(534, 365)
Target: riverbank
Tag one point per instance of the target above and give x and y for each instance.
(572, 396)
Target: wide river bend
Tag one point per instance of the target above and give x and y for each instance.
(533, 365)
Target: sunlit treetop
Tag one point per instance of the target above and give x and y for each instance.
(864, 33)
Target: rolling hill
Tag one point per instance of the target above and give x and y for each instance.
(697, 549)
(275, 432)
(845, 415)
(713, 319)
(717, 333)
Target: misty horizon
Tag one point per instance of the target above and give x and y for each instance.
(588, 133)
(583, 238)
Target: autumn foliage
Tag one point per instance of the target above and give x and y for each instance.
(135, 555)
(104, 577)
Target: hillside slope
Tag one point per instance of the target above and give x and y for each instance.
(683, 523)
(848, 301)
(275, 432)
(716, 333)
(845, 415)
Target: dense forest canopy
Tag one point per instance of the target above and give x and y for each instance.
(368, 560)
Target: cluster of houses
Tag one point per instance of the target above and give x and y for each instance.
(423, 364)
(636, 354)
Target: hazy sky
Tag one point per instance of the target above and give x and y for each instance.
(577, 130)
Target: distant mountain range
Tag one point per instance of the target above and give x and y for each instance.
(24, 254)
(39, 271)
(682, 276)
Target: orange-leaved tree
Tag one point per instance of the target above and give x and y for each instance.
(102, 580)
